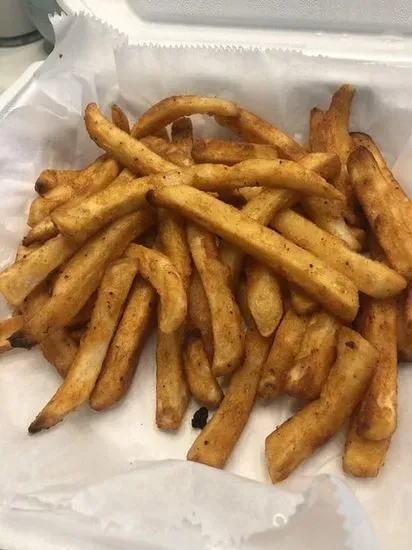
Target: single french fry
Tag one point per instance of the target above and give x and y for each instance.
(377, 417)
(160, 272)
(225, 316)
(119, 118)
(41, 232)
(363, 457)
(282, 353)
(60, 349)
(264, 297)
(215, 443)
(86, 367)
(230, 152)
(316, 355)
(333, 290)
(49, 179)
(371, 277)
(199, 313)
(168, 151)
(172, 241)
(172, 108)
(299, 437)
(7, 328)
(122, 357)
(202, 384)
(388, 210)
(301, 302)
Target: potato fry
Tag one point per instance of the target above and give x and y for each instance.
(172, 108)
(373, 278)
(86, 367)
(182, 135)
(377, 417)
(122, 357)
(317, 353)
(264, 297)
(387, 209)
(41, 232)
(49, 179)
(222, 151)
(7, 328)
(172, 241)
(159, 271)
(332, 289)
(282, 353)
(300, 436)
(202, 384)
(225, 316)
(363, 457)
(120, 119)
(301, 302)
(199, 313)
(60, 349)
(215, 443)
(168, 151)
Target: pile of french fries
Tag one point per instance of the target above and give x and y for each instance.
(268, 266)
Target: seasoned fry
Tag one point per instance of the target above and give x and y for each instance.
(388, 210)
(300, 436)
(202, 384)
(333, 290)
(264, 297)
(371, 277)
(172, 108)
(122, 357)
(301, 302)
(377, 418)
(217, 440)
(41, 232)
(363, 457)
(199, 313)
(317, 353)
(159, 271)
(60, 349)
(182, 134)
(282, 353)
(225, 315)
(172, 241)
(168, 151)
(86, 367)
(120, 119)
(7, 328)
(403, 332)
(49, 179)
(222, 151)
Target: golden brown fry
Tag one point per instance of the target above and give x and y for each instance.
(225, 315)
(300, 436)
(41, 232)
(371, 277)
(332, 289)
(119, 118)
(172, 108)
(301, 302)
(199, 313)
(60, 349)
(7, 328)
(156, 268)
(217, 440)
(48, 179)
(363, 457)
(172, 241)
(23, 251)
(222, 151)
(202, 384)
(168, 151)
(122, 357)
(388, 210)
(86, 367)
(264, 297)
(317, 353)
(282, 353)
(377, 418)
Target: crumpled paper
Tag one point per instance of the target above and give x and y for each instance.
(110, 480)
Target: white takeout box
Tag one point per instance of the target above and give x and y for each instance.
(103, 480)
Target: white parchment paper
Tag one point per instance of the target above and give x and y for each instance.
(111, 480)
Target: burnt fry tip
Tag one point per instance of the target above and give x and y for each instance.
(151, 197)
(40, 187)
(20, 340)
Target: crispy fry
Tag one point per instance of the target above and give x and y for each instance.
(301, 302)
(168, 151)
(172, 108)
(222, 151)
(49, 179)
(282, 353)
(199, 313)
(264, 297)
(333, 290)
(216, 441)
(317, 353)
(225, 315)
(202, 384)
(60, 349)
(172, 240)
(363, 457)
(156, 268)
(86, 367)
(300, 436)
(41, 232)
(120, 119)
(388, 210)
(122, 357)
(371, 277)
(7, 328)
(377, 418)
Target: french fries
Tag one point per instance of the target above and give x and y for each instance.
(301, 302)
(332, 289)
(388, 210)
(282, 353)
(120, 119)
(59, 349)
(230, 152)
(172, 108)
(225, 316)
(121, 361)
(300, 436)
(373, 278)
(216, 441)
(317, 353)
(168, 151)
(85, 369)
(7, 328)
(49, 179)
(264, 297)
(199, 313)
